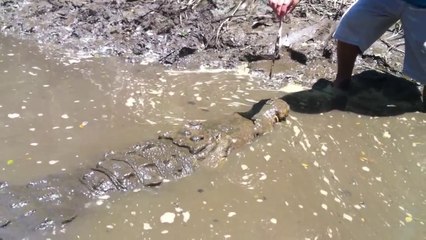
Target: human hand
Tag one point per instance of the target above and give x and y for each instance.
(282, 7)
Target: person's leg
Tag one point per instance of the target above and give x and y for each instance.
(360, 27)
(413, 20)
(346, 56)
(424, 93)
(424, 98)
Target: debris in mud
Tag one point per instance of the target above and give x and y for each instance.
(164, 31)
(188, 33)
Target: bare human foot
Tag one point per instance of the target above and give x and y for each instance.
(346, 56)
(342, 84)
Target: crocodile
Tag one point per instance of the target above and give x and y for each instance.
(48, 204)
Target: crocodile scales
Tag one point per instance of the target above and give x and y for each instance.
(50, 203)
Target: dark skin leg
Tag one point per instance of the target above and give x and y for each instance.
(424, 93)
(346, 56)
(424, 98)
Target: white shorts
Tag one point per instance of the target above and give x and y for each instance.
(367, 20)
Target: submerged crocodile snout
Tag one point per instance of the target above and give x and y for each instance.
(280, 108)
(274, 110)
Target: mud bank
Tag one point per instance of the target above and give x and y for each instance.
(143, 31)
(190, 34)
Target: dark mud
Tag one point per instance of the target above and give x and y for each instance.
(190, 34)
(139, 31)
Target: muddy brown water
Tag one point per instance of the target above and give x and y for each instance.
(335, 175)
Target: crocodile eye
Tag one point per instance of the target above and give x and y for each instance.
(276, 118)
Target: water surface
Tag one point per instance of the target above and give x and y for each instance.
(335, 175)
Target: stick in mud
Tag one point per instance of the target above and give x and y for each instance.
(277, 47)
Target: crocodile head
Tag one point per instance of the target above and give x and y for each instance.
(275, 110)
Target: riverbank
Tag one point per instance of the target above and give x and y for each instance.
(191, 34)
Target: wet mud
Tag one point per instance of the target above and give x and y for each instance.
(148, 31)
(51, 203)
(344, 166)
(193, 34)
(323, 174)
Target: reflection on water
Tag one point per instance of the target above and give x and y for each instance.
(334, 175)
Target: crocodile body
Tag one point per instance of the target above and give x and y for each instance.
(50, 203)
